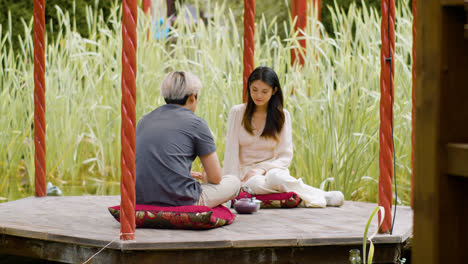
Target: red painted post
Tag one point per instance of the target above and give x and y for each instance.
(39, 98)
(293, 9)
(386, 112)
(299, 11)
(127, 157)
(413, 111)
(249, 43)
(318, 3)
(148, 12)
(147, 6)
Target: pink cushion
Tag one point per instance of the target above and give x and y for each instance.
(275, 200)
(179, 217)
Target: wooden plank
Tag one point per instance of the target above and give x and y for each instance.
(441, 118)
(453, 98)
(452, 227)
(426, 169)
(457, 156)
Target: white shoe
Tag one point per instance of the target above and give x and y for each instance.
(305, 204)
(334, 198)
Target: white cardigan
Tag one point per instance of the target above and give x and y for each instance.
(283, 152)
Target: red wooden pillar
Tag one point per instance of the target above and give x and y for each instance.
(249, 43)
(147, 7)
(386, 112)
(299, 12)
(39, 98)
(413, 111)
(127, 158)
(318, 4)
(148, 12)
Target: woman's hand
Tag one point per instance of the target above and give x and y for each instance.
(253, 172)
(199, 175)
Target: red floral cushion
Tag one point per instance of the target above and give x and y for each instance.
(180, 217)
(275, 200)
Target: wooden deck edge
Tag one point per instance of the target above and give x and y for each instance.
(215, 244)
(408, 235)
(73, 253)
(31, 234)
(116, 244)
(132, 246)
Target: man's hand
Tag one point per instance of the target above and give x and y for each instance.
(199, 175)
(253, 172)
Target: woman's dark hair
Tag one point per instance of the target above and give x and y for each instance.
(275, 115)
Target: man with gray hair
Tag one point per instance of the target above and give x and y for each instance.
(168, 140)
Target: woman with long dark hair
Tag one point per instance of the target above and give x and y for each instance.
(259, 146)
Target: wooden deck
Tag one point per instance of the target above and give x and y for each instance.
(71, 229)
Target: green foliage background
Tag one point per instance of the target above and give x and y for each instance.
(281, 10)
(22, 9)
(335, 107)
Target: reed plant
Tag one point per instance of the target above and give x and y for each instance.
(334, 107)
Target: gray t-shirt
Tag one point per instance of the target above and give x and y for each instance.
(167, 142)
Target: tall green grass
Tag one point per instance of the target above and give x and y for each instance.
(335, 107)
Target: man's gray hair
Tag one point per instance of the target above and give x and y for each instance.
(176, 85)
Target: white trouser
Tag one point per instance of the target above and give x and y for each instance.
(279, 180)
(215, 194)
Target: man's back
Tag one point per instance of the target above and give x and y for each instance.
(167, 141)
